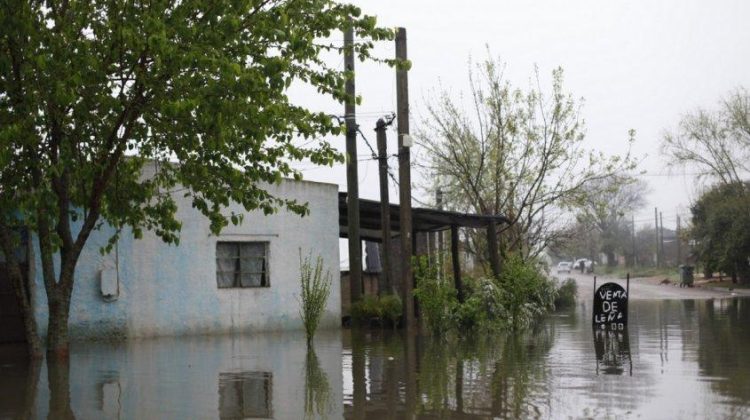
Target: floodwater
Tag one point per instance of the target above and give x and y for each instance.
(678, 359)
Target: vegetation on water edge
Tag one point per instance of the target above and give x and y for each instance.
(386, 308)
(514, 300)
(566, 294)
(316, 287)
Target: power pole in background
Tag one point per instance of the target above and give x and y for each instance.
(661, 235)
(352, 178)
(385, 207)
(679, 242)
(404, 177)
(635, 256)
(656, 235)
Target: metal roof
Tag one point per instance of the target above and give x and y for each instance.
(423, 219)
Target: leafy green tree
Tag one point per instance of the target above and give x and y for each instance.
(514, 152)
(91, 91)
(721, 229)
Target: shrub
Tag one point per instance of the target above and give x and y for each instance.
(366, 309)
(525, 293)
(566, 294)
(386, 308)
(391, 308)
(316, 287)
(437, 297)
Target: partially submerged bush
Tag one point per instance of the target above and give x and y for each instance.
(316, 287)
(436, 296)
(566, 294)
(385, 308)
(522, 294)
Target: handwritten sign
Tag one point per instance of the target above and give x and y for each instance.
(610, 307)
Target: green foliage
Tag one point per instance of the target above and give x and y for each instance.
(391, 308)
(386, 308)
(436, 296)
(525, 293)
(315, 289)
(721, 229)
(566, 294)
(192, 94)
(514, 152)
(519, 297)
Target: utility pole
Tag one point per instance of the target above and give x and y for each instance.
(661, 234)
(656, 235)
(635, 256)
(404, 177)
(439, 203)
(679, 244)
(352, 180)
(385, 207)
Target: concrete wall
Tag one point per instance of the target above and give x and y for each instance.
(172, 290)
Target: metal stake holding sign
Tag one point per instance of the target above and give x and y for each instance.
(611, 306)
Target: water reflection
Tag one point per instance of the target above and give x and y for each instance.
(318, 399)
(612, 352)
(678, 359)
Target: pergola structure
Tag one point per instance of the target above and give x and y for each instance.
(424, 220)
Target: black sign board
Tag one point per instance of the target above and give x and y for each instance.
(610, 307)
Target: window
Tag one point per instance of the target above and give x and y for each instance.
(245, 394)
(242, 264)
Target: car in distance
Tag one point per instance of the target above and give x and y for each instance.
(588, 265)
(564, 266)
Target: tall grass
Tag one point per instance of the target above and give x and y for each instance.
(316, 287)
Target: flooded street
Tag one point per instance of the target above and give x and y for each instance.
(679, 359)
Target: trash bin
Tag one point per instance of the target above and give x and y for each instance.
(686, 276)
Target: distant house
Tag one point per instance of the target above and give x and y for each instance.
(245, 279)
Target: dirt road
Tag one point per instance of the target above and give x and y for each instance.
(643, 289)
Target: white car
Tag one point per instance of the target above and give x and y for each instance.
(564, 266)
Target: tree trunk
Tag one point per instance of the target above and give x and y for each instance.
(58, 374)
(57, 329)
(611, 259)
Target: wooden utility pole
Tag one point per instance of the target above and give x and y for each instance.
(385, 208)
(656, 235)
(679, 244)
(635, 257)
(404, 178)
(492, 249)
(458, 283)
(661, 236)
(440, 245)
(352, 180)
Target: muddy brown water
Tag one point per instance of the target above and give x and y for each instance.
(678, 359)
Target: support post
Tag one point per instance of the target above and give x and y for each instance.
(352, 181)
(679, 243)
(656, 235)
(661, 240)
(456, 264)
(440, 245)
(385, 208)
(494, 256)
(635, 257)
(404, 179)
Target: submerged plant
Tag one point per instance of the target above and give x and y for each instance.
(436, 296)
(316, 287)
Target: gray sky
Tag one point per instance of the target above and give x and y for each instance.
(638, 64)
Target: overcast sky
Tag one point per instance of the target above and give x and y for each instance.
(638, 64)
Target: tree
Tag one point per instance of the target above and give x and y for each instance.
(717, 142)
(516, 152)
(604, 209)
(91, 91)
(721, 229)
